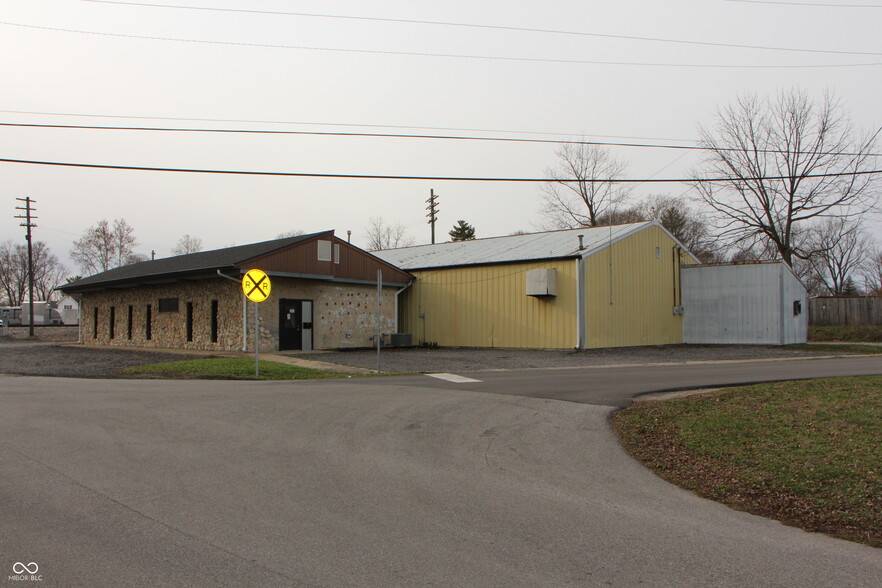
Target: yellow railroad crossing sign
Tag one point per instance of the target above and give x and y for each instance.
(256, 285)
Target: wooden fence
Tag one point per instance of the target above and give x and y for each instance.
(845, 310)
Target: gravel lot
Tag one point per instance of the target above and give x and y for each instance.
(456, 359)
(52, 359)
(48, 358)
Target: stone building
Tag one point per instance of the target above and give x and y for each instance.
(323, 296)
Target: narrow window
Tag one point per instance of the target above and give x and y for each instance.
(214, 321)
(336, 253)
(148, 332)
(112, 323)
(129, 325)
(189, 321)
(95, 324)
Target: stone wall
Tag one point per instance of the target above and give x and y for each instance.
(167, 329)
(344, 315)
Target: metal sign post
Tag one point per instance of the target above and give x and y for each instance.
(256, 286)
(256, 343)
(379, 316)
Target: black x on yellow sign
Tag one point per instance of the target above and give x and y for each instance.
(256, 285)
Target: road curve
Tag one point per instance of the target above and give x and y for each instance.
(618, 385)
(353, 484)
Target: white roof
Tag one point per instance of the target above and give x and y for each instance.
(550, 245)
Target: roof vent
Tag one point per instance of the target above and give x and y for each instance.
(581, 244)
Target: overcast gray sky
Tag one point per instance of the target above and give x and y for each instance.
(235, 69)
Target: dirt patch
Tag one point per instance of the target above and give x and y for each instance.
(73, 361)
(58, 334)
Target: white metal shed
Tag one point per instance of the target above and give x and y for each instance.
(749, 304)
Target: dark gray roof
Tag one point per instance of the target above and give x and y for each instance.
(180, 265)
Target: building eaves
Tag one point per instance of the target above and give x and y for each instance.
(181, 266)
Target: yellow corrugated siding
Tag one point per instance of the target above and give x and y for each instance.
(487, 306)
(633, 304)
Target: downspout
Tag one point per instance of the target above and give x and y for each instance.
(581, 327)
(396, 303)
(680, 277)
(79, 299)
(244, 313)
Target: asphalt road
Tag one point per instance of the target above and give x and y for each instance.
(617, 385)
(364, 482)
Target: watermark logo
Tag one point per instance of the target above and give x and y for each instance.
(25, 572)
(20, 568)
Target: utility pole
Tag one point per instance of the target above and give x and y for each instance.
(28, 224)
(433, 211)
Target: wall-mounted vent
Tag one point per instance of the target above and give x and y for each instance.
(542, 282)
(168, 305)
(324, 251)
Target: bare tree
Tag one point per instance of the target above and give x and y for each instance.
(13, 272)
(104, 247)
(581, 189)
(291, 233)
(775, 165)
(382, 235)
(637, 213)
(124, 243)
(872, 274)
(187, 244)
(686, 224)
(48, 271)
(683, 222)
(842, 250)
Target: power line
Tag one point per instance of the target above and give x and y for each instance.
(335, 124)
(491, 27)
(342, 134)
(421, 178)
(813, 4)
(402, 136)
(447, 55)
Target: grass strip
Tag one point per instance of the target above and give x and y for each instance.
(232, 368)
(805, 453)
(853, 333)
(841, 348)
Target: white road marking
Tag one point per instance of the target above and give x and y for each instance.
(452, 378)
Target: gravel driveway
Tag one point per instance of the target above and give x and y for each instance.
(51, 359)
(41, 358)
(459, 359)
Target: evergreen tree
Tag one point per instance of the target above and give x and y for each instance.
(462, 231)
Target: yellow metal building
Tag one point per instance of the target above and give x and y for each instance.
(586, 288)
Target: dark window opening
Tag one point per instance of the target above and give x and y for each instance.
(95, 324)
(129, 325)
(112, 323)
(148, 331)
(168, 305)
(214, 321)
(189, 321)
